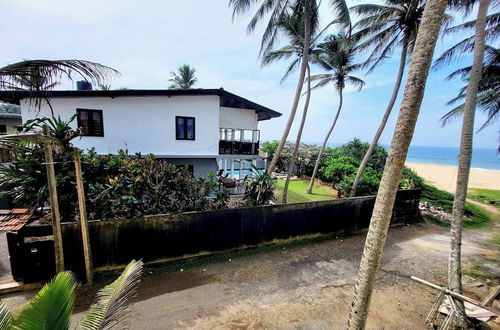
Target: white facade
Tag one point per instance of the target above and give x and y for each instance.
(146, 124)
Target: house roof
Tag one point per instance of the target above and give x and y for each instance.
(15, 219)
(227, 99)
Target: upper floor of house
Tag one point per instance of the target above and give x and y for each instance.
(196, 122)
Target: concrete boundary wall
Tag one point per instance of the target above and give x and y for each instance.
(116, 242)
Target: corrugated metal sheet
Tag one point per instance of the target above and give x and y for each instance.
(13, 220)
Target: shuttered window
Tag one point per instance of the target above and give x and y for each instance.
(90, 122)
(184, 128)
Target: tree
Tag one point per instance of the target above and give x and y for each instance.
(277, 9)
(454, 263)
(184, 78)
(386, 27)
(292, 28)
(52, 307)
(336, 55)
(410, 106)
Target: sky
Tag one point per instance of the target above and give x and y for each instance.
(146, 40)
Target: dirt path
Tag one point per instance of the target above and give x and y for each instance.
(5, 275)
(306, 287)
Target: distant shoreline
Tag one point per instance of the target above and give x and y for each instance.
(445, 176)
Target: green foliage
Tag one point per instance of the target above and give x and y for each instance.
(10, 108)
(260, 190)
(485, 196)
(184, 78)
(52, 307)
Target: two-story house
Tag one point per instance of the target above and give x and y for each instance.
(203, 129)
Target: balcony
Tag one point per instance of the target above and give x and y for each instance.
(239, 141)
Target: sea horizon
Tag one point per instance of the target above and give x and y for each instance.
(482, 158)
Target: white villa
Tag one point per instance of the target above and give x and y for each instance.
(204, 129)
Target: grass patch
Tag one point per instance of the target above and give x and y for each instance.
(476, 216)
(297, 192)
(485, 196)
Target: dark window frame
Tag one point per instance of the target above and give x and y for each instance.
(185, 138)
(91, 131)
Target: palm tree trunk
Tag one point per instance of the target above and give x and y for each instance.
(318, 160)
(298, 91)
(403, 133)
(454, 264)
(381, 128)
(299, 136)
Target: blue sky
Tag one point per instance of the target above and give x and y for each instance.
(146, 40)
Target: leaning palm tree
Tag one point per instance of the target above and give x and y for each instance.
(276, 9)
(184, 78)
(292, 28)
(336, 55)
(386, 27)
(423, 50)
(52, 307)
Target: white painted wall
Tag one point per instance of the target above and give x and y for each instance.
(145, 124)
(237, 118)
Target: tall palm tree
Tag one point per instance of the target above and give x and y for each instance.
(336, 55)
(184, 78)
(464, 163)
(423, 50)
(292, 28)
(386, 27)
(276, 9)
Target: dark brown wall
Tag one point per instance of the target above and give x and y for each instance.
(116, 242)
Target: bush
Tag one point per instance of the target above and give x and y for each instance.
(260, 190)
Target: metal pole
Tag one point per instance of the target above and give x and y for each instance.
(87, 254)
(54, 204)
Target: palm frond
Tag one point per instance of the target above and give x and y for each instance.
(106, 312)
(5, 317)
(341, 12)
(27, 141)
(51, 308)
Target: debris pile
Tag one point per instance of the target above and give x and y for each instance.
(438, 213)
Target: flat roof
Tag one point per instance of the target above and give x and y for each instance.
(227, 99)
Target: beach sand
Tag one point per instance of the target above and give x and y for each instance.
(444, 177)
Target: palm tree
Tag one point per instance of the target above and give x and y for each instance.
(336, 55)
(292, 28)
(52, 307)
(423, 50)
(469, 109)
(385, 28)
(276, 9)
(184, 78)
(40, 76)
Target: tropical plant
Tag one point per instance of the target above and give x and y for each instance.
(52, 307)
(276, 11)
(184, 78)
(423, 50)
(104, 87)
(464, 163)
(385, 27)
(292, 27)
(260, 189)
(336, 55)
(39, 76)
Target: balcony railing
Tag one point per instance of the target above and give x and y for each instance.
(239, 141)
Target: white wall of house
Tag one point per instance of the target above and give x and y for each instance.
(237, 118)
(146, 124)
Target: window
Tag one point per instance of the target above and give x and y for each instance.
(90, 121)
(3, 129)
(184, 128)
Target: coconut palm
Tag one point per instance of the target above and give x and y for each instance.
(292, 28)
(336, 56)
(385, 28)
(52, 307)
(40, 76)
(184, 78)
(276, 9)
(423, 50)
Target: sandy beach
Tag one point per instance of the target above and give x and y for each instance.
(445, 177)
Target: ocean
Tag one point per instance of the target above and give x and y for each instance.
(481, 158)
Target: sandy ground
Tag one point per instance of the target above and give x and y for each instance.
(306, 287)
(445, 177)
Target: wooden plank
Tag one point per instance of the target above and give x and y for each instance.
(83, 218)
(54, 203)
(38, 239)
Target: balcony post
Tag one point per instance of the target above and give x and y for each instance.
(241, 169)
(232, 168)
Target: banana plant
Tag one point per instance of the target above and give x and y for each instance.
(52, 307)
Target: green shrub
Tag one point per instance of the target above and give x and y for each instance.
(260, 190)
